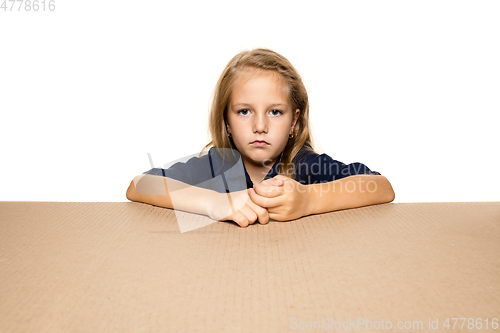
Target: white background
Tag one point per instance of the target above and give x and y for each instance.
(411, 89)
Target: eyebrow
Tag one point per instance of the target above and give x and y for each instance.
(248, 105)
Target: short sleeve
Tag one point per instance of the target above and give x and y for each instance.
(353, 169)
(208, 171)
(322, 169)
(194, 171)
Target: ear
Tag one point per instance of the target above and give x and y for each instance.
(295, 118)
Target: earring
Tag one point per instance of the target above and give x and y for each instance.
(290, 136)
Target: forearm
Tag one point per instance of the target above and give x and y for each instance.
(154, 190)
(350, 192)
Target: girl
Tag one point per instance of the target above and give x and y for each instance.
(260, 110)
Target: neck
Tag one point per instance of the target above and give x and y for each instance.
(257, 172)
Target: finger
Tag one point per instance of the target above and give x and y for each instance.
(263, 201)
(249, 214)
(273, 181)
(267, 190)
(281, 177)
(240, 219)
(277, 217)
(262, 213)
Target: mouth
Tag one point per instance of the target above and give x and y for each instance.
(259, 143)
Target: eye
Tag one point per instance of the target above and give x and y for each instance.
(242, 110)
(278, 112)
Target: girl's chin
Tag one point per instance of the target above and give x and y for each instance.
(265, 161)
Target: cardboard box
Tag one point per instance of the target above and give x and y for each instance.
(125, 267)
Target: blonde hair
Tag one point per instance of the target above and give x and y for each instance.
(297, 95)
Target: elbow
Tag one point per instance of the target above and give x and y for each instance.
(132, 193)
(383, 192)
(389, 194)
(130, 189)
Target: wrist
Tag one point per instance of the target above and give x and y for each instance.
(211, 203)
(219, 206)
(319, 196)
(310, 199)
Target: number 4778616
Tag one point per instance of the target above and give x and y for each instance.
(472, 323)
(28, 5)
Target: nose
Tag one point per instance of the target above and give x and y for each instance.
(260, 123)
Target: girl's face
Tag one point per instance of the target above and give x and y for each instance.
(259, 111)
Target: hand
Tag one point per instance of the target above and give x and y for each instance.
(284, 202)
(246, 212)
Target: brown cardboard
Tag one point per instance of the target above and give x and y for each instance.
(125, 267)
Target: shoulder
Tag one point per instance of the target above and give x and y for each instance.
(308, 156)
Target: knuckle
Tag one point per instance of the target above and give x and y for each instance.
(241, 221)
(263, 218)
(253, 218)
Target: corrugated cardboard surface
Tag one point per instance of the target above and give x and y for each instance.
(125, 267)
